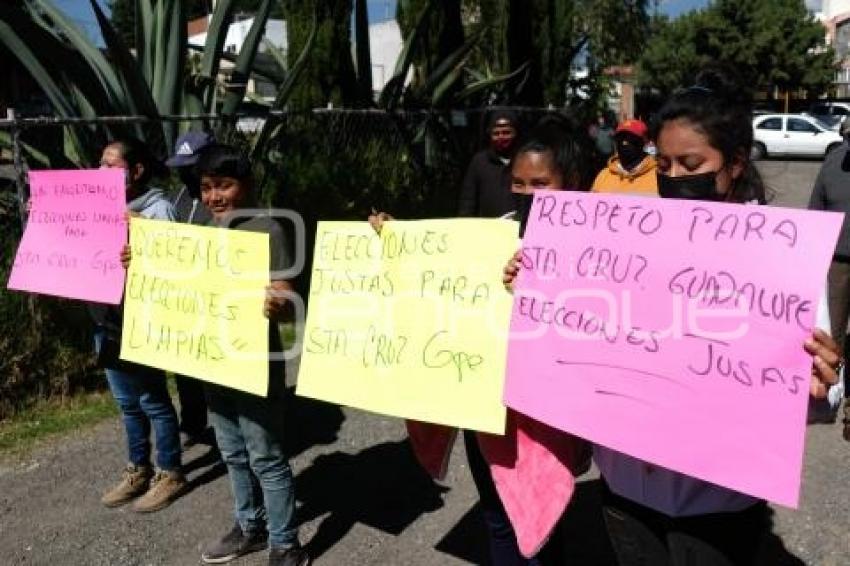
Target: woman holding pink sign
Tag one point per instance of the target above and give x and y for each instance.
(655, 515)
(140, 392)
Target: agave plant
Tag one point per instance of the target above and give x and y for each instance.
(82, 81)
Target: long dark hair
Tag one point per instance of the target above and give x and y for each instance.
(136, 152)
(569, 146)
(720, 108)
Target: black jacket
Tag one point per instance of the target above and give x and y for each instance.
(486, 190)
(832, 192)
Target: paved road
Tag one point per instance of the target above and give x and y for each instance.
(790, 181)
(362, 498)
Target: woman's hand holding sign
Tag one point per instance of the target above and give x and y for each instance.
(511, 270)
(826, 363)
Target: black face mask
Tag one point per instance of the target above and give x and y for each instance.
(522, 205)
(630, 155)
(690, 187)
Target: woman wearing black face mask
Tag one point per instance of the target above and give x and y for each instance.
(704, 136)
(555, 158)
(658, 516)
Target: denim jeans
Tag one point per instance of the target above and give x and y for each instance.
(193, 405)
(248, 430)
(142, 396)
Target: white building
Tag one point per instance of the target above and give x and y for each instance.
(275, 34)
(385, 45)
(835, 15)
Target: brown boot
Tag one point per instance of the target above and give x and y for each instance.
(165, 488)
(133, 484)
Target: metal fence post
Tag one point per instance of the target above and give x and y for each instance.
(18, 161)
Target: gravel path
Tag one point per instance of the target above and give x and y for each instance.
(362, 498)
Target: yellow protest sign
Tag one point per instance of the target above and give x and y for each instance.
(193, 303)
(412, 322)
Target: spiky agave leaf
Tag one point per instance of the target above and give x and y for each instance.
(492, 82)
(244, 61)
(21, 35)
(286, 89)
(139, 96)
(201, 87)
(390, 97)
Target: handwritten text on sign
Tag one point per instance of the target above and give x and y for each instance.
(412, 322)
(193, 303)
(74, 235)
(672, 331)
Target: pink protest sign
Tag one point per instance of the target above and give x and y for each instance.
(672, 331)
(74, 235)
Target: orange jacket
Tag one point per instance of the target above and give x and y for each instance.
(614, 179)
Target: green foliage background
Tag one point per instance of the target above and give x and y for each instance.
(772, 43)
(45, 344)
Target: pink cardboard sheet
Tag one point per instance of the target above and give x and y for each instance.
(74, 235)
(672, 331)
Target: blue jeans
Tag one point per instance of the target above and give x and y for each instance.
(249, 430)
(142, 396)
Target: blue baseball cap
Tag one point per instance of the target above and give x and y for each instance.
(187, 147)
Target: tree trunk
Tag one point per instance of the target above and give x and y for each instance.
(364, 58)
(523, 47)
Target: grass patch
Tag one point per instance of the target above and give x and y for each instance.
(50, 418)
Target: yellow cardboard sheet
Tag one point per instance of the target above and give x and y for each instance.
(413, 322)
(193, 303)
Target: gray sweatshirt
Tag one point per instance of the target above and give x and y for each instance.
(832, 192)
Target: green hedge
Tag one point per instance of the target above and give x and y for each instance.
(45, 343)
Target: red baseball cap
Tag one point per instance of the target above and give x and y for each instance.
(633, 126)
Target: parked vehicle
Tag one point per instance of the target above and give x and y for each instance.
(832, 113)
(792, 134)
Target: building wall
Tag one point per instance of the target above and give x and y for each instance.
(385, 45)
(835, 15)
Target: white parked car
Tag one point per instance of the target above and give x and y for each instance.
(792, 134)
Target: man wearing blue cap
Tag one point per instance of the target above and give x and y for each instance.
(187, 202)
(189, 209)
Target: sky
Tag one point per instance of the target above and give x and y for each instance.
(80, 11)
(674, 8)
(379, 10)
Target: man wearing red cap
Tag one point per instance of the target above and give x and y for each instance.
(631, 169)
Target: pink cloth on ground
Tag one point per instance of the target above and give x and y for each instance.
(533, 465)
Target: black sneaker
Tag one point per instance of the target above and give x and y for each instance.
(292, 556)
(233, 545)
